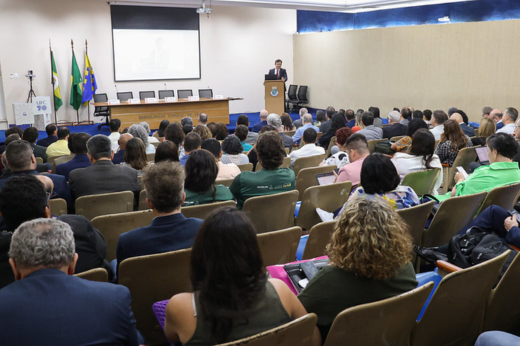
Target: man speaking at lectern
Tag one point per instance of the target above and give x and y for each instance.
(281, 73)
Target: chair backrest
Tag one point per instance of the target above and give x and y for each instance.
(184, 94)
(271, 212)
(51, 160)
(372, 144)
(58, 206)
(279, 247)
(39, 160)
(285, 164)
(246, 167)
(146, 94)
(206, 93)
(464, 157)
(142, 201)
(152, 278)
(396, 138)
(305, 162)
(422, 182)
(150, 157)
(96, 274)
(225, 182)
(504, 196)
(331, 144)
(166, 93)
(100, 98)
(319, 237)
(102, 111)
(104, 204)
(112, 226)
(386, 322)
(307, 178)
(203, 211)
(302, 93)
(298, 332)
(452, 215)
(327, 197)
(415, 218)
(456, 309)
(290, 133)
(125, 96)
(58, 160)
(291, 93)
(503, 306)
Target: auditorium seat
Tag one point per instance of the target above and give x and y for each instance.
(279, 247)
(142, 200)
(372, 144)
(225, 182)
(104, 204)
(286, 163)
(422, 182)
(504, 196)
(203, 211)
(58, 206)
(319, 237)
(246, 167)
(386, 322)
(456, 309)
(152, 278)
(271, 212)
(307, 177)
(305, 162)
(331, 144)
(96, 274)
(464, 157)
(150, 157)
(101, 111)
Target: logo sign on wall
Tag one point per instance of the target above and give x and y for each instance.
(23, 113)
(42, 112)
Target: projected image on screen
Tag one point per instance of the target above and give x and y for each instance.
(156, 54)
(153, 43)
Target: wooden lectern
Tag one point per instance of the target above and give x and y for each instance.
(274, 96)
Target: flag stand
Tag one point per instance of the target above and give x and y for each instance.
(56, 122)
(85, 122)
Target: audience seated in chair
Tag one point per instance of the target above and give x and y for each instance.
(395, 128)
(52, 132)
(310, 148)
(509, 119)
(241, 132)
(135, 155)
(307, 123)
(246, 303)
(299, 123)
(6, 171)
(78, 143)
(340, 158)
(20, 159)
(370, 131)
(175, 134)
(192, 142)
(502, 170)
(338, 122)
(151, 139)
(60, 147)
(225, 171)
(103, 176)
(119, 157)
(357, 150)
(115, 125)
(139, 131)
(263, 121)
(25, 198)
(271, 179)
(251, 135)
(232, 149)
(159, 134)
(459, 118)
(275, 121)
(166, 151)
(370, 253)
(65, 310)
(438, 119)
(199, 185)
(169, 230)
(203, 132)
(30, 134)
(404, 143)
(451, 142)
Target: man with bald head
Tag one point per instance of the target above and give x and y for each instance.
(25, 198)
(299, 123)
(468, 130)
(120, 155)
(263, 121)
(496, 116)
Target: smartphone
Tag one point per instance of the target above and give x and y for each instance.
(336, 170)
(514, 213)
(463, 171)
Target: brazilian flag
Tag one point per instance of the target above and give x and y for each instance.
(75, 84)
(57, 93)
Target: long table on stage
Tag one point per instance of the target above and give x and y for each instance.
(154, 113)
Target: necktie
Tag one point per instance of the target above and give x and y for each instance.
(277, 73)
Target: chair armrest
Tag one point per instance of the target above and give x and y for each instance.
(445, 165)
(446, 267)
(514, 247)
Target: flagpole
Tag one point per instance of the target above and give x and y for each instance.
(88, 105)
(77, 110)
(52, 81)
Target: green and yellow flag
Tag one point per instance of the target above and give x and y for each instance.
(57, 93)
(75, 84)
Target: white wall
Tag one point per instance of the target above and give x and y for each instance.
(238, 46)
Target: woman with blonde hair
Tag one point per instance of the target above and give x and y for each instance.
(486, 128)
(370, 252)
(203, 132)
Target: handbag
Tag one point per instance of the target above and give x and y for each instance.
(427, 198)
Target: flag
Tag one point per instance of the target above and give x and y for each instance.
(89, 81)
(75, 84)
(57, 93)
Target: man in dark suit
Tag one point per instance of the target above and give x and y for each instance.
(395, 128)
(59, 308)
(103, 176)
(78, 142)
(468, 130)
(281, 73)
(119, 157)
(325, 126)
(24, 198)
(30, 134)
(275, 121)
(21, 161)
(263, 121)
(351, 118)
(169, 230)
(52, 137)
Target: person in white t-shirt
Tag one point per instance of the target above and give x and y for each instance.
(225, 171)
(114, 124)
(310, 148)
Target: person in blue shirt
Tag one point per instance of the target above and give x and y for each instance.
(241, 132)
(192, 142)
(307, 123)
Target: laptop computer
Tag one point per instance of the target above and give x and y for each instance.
(482, 154)
(270, 77)
(326, 178)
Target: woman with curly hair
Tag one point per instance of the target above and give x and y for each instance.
(203, 132)
(452, 140)
(138, 131)
(271, 179)
(199, 185)
(232, 148)
(135, 155)
(245, 303)
(369, 252)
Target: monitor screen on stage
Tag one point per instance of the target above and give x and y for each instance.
(155, 43)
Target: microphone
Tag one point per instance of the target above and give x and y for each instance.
(116, 88)
(164, 86)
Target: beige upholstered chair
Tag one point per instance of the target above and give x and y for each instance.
(96, 274)
(307, 177)
(104, 204)
(58, 206)
(279, 247)
(319, 237)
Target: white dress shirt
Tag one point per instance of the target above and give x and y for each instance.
(307, 150)
(437, 131)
